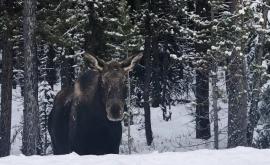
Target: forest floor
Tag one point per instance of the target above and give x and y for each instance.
(177, 134)
(236, 156)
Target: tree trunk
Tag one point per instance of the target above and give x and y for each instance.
(215, 105)
(94, 36)
(30, 125)
(237, 95)
(164, 102)
(6, 96)
(256, 82)
(202, 77)
(50, 67)
(67, 70)
(147, 78)
(202, 105)
(156, 77)
(214, 76)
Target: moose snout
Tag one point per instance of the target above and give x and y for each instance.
(115, 112)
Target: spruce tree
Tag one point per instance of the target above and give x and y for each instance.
(31, 122)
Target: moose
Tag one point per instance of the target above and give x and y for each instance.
(86, 118)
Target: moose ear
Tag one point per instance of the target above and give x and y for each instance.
(129, 63)
(93, 61)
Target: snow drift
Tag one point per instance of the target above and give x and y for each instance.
(236, 156)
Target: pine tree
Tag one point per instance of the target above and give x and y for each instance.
(51, 77)
(262, 133)
(260, 16)
(214, 76)
(147, 74)
(30, 127)
(236, 81)
(7, 72)
(46, 96)
(202, 37)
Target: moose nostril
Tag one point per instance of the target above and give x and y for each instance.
(115, 110)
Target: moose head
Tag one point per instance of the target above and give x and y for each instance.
(113, 75)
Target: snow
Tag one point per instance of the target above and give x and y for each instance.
(236, 156)
(268, 16)
(16, 120)
(242, 11)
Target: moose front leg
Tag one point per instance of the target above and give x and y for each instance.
(72, 125)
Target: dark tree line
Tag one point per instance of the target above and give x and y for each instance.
(184, 43)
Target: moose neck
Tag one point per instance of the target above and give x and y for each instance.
(88, 89)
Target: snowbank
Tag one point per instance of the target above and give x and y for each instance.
(237, 156)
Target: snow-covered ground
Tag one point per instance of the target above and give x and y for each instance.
(177, 134)
(236, 156)
(16, 120)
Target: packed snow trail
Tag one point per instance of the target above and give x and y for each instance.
(236, 156)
